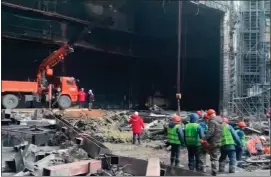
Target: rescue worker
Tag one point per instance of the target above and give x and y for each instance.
(175, 139)
(137, 125)
(193, 133)
(228, 141)
(213, 138)
(81, 98)
(255, 145)
(240, 149)
(90, 99)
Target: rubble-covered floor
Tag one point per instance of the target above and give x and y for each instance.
(111, 128)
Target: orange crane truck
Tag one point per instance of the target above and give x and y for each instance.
(61, 90)
(64, 89)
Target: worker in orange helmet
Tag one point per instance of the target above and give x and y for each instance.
(255, 145)
(175, 139)
(229, 141)
(213, 138)
(239, 129)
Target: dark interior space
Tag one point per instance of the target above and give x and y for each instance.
(117, 80)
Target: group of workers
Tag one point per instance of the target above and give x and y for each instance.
(82, 98)
(205, 133)
(210, 134)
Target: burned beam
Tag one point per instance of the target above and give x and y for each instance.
(58, 41)
(75, 168)
(18, 9)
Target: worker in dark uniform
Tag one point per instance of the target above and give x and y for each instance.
(175, 139)
(90, 99)
(193, 133)
(228, 142)
(213, 138)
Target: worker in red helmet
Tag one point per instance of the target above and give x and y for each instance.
(213, 138)
(81, 98)
(225, 120)
(199, 113)
(229, 140)
(239, 129)
(175, 139)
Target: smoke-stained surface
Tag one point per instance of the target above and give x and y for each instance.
(112, 77)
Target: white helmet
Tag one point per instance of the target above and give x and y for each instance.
(262, 138)
(136, 113)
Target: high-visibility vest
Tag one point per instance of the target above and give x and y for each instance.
(191, 134)
(227, 138)
(243, 138)
(172, 135)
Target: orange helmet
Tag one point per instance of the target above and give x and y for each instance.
(205, 116)
(241, 124)
(225, 120)
(176, 119)
(210, 111)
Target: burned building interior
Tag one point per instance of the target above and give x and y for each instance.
(128, 67)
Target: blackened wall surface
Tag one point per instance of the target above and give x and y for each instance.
(114, 76)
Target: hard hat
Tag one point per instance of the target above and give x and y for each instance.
(210, 111)
(199, 113)
(205, 116)
(136, 113)
(241, 124)
(225, 120)
(194, 117)
(262, 138)
(176, 119)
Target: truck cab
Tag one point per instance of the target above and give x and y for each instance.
(65, 90)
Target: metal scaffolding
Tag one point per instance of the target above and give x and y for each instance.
(252, 94)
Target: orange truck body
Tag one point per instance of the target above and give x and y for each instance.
(19, 86)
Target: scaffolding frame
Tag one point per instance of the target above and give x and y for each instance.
(252, 86)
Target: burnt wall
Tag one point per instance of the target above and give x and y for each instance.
(114, 77)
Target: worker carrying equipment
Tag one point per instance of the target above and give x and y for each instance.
(213, 137)
(239, 129)
(175, 139)
(193, 133)
(228, 141)
(255, 145)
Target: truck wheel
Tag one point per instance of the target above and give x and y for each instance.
(64, 102)
(10, 101)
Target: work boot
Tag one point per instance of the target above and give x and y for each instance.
(231, 170)
(178, 165)
(221, 169)
(213, 173)
(172, 162)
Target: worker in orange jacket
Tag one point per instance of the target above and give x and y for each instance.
(255, 145)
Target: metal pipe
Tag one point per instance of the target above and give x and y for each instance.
(179, 52)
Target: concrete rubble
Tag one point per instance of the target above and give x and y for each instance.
(61, 150)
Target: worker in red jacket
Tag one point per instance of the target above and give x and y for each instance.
(81, 98)
(137, 125)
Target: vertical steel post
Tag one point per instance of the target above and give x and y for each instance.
(179, 53)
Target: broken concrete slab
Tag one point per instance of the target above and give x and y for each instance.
(75, 168)
(153, 168)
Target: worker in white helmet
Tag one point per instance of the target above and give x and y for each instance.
(90, 99)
